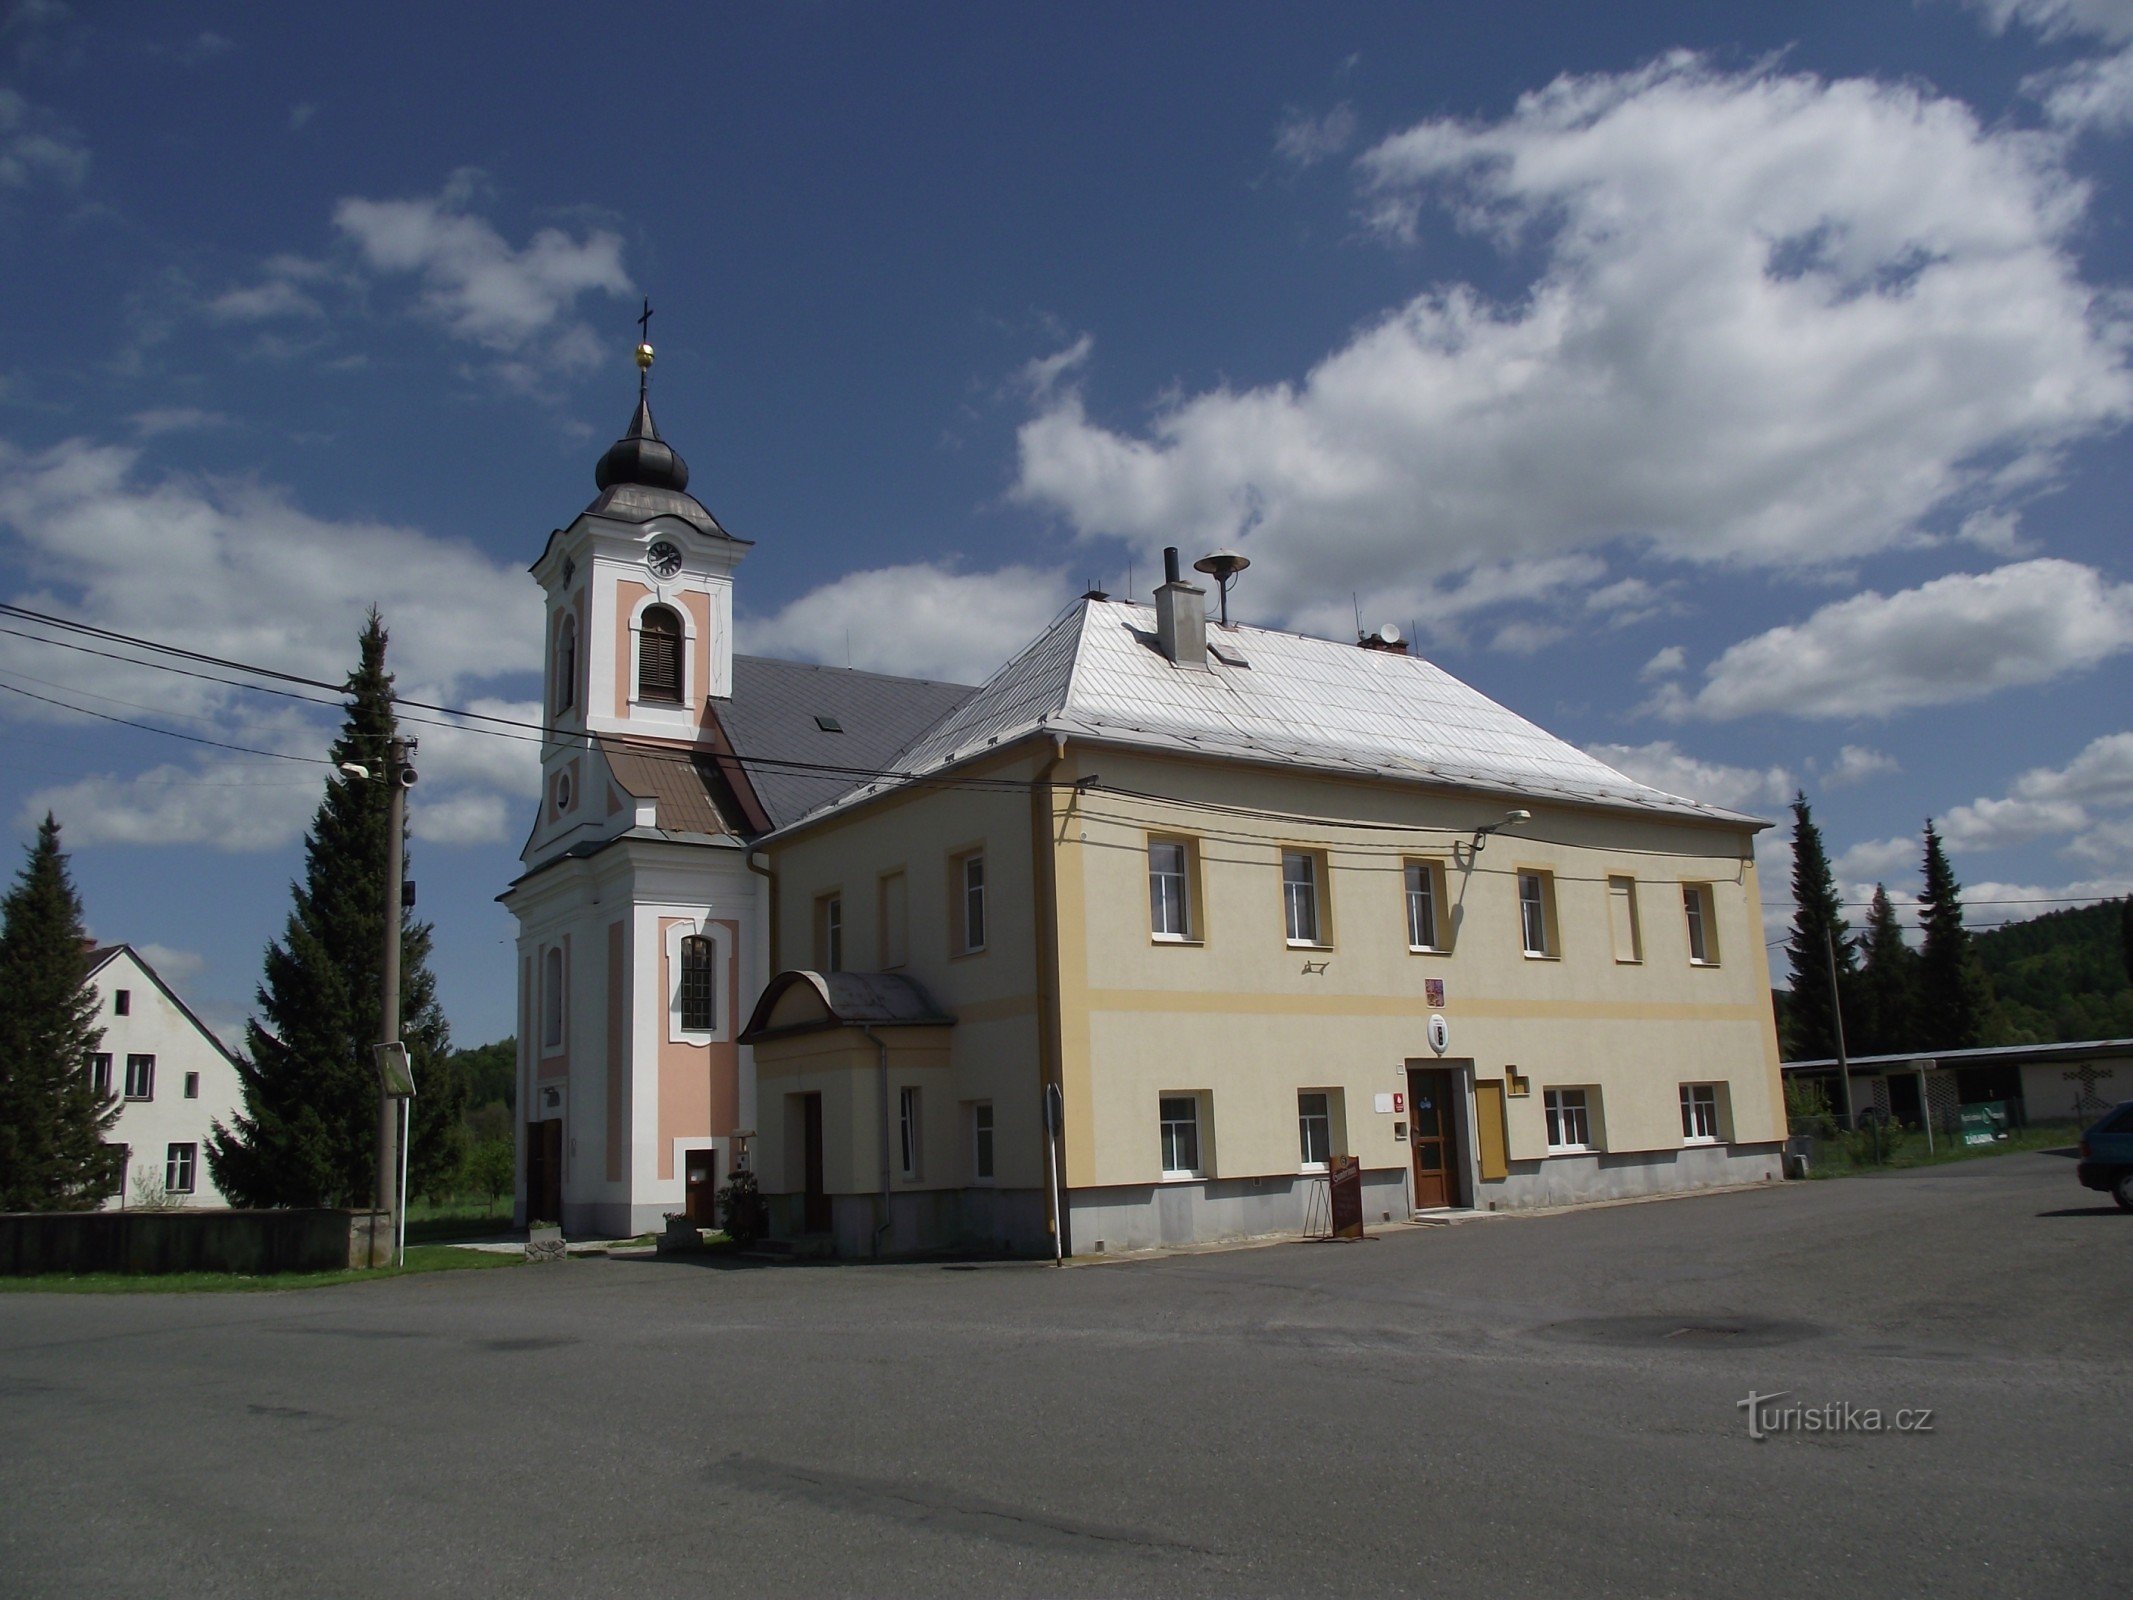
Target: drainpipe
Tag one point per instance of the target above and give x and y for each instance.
(881, 1073)
(1049, 1048)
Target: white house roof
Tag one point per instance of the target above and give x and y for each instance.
(1277, 698)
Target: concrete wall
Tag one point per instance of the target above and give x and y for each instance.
(1142, 1216)
(255, 1242)
(2075, 1091)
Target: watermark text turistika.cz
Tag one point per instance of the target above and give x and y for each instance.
(1767, 1417)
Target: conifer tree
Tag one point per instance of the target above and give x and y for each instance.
(1954, 995)
(1817, 926)
(52, 1120)
(308, 1133)
(1884, 1020)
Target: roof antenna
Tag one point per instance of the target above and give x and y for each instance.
(1356, 599)
(847, 649)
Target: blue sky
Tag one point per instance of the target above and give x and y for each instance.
(1738, 391)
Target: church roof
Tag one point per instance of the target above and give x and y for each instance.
(776, 718)
(685, 785)
(1276, 698)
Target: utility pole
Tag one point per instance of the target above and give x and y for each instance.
(1836, 1017)
(399, 777)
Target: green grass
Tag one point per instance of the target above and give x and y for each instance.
(420, 1258)
(1834, 1161)
(433, 1222)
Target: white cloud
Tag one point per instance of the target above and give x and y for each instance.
(1855, 764)
(918, 621)
(277, 297)
(1667, 663)
(1955, 638)
(158, 420)
(2110, 20)
(232, 568)
(1303, 140)
(462, 819)
(1780, 321)
(172, 966)
(1998, 824)
(1041, 374)
(1665, 765)
(2095, 92)
(2101, 775)
(516, 302)
(35, 146)
(1874, 861)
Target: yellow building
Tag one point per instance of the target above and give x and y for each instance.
(1245, 903)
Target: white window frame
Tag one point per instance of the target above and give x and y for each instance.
(145, 1064)
(1301, 900)
(565, 687)
(970, 907)
(1306, 1118)
(984, 1143)
(1536, 932)
(100, 1074)
(1569, 1112)
(1423, 882)
(829, 928)
(910, 1130)
(677, 712)
(181, 1162)
(1170, 907)
(1699, 909)
(1167, 1119)
(1699, 1108)
(723, 1001)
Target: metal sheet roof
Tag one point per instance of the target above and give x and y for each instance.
(1280, 698)
(683, 784)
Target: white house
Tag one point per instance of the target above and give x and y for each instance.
(172, 1075)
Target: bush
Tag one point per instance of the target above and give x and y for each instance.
(740, 1210)
(490, 1167)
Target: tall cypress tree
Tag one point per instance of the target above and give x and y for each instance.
(308, 1133)
(1954, 995)
(52, 1121)
(1817, 926)
(1885, 1016)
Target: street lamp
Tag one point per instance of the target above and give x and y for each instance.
(395, 1081)
(1511, 819)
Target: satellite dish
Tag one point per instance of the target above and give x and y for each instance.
(1223, 566)
(1388, 634)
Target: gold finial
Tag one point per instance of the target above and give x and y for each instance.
(644, 358)
(644, 337)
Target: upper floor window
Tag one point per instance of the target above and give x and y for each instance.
(969, 882)
(1169, 895)
(100, 1074)
(1299, 894)
(122, 1002)
(552, 999)
(1703, 926)
(192, 1086)
(566, 664)
(1536, 913)
(1425, 906)
(140, 1077)
(659, 637)
(699, 987)
(894, 933)
(829, 933)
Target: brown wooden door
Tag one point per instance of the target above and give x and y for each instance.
(816, 1206)
(1431, 1129)
(700, 1173)
(544, 1171)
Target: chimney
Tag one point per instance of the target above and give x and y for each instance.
(1386, 638)
(1181, 616)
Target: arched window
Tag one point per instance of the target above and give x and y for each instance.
(659, 656)
(552, 999)
(566, 665)
(699, 987)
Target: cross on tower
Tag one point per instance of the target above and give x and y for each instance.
(644, 323)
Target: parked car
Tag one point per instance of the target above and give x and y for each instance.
(2107, 1155)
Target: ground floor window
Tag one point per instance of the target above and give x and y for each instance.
(909, 1130)
(1569, 1121)
(1180, 1115)
(1314, 1125)
(1699, 1113)
(981, 1140)
(178, 1165)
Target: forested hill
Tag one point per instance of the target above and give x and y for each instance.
(2059, 976)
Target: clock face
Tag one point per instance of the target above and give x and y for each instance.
(663, 559)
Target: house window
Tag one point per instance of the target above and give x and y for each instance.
(969, 880)
(1299, 894)
(1180, 1116)
(1699, 1113)
(1703, 926)
(699, 986)
(178, 1164)
(1314, 1126)
(1169, 899)
(192, 1086)
(829, 933)
(566, 665)
(895, 930)
(140, 1077)
(909, 1125)
(1536, 912)
(1425, 901)
(122, 1003)
(981, 1140)
(659, 655)
(1622, 919)
(552, 999)
(100, 1074)
(1569, 1123)
(121, 1157)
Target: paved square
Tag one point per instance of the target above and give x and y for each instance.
(1526, 1405)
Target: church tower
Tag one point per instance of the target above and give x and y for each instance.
(640, 926)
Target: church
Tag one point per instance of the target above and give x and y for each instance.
(1144, 942)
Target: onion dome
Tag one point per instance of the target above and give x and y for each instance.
(640, 456)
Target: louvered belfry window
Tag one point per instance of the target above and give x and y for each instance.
(659, 656)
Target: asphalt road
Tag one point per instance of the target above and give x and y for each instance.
(1537, 1405)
